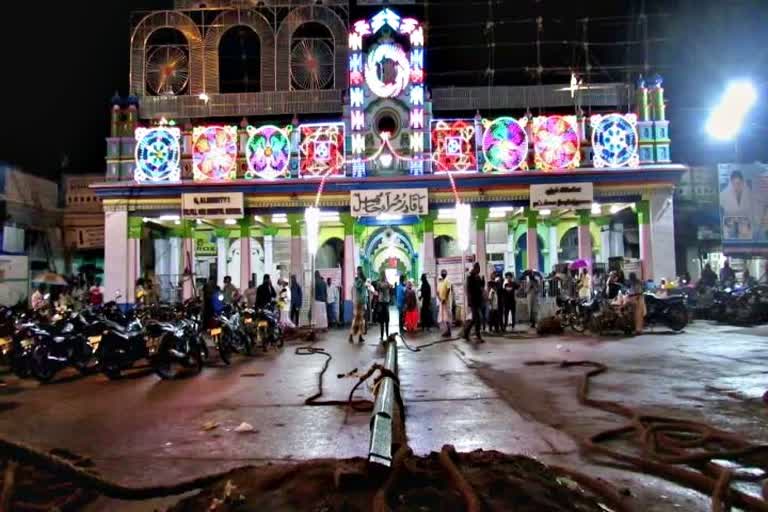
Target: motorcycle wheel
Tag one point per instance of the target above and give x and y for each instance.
(163, 366)
(678, 319)
(86, 365)
(225, 347)
(41, 367)
(261, 336)
(112, 372)
(247, 343)
(577, 324)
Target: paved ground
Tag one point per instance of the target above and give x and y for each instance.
(141, 430)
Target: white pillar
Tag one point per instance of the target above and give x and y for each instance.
(188, 270)
(162, 258)
(269, 252)
(617, 240)
(245, 261)
(116, 255)
(605, 243)
(554, 256)
(134, 268)
(428, 256)
(509, 255)
(662, 225)
(222, 251)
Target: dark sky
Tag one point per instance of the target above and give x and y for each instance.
(62, 61)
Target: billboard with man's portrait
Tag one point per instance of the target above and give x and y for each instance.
(744, 208)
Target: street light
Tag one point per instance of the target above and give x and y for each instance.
(726, 120)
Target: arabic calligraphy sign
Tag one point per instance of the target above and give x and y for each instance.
(562, 195)
(372, 203)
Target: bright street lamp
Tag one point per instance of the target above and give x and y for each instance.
(726, 120)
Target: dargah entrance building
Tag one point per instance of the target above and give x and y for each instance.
(324, 147)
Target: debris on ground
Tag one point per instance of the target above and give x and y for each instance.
(244, 428)
(209, 425)
(501, 482)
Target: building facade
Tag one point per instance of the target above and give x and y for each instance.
(209, 160)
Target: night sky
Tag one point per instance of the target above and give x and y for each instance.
(62, 61)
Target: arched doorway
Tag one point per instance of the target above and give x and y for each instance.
(239, 60)
(312, 57)
(330, 254)
(391, 251)
(522, 251)
(569, 245)
(446, 246)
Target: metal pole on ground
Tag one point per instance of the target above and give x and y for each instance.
(383, 432)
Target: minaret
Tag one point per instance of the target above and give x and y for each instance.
(113, 141)
(644, 123)
(660, 124)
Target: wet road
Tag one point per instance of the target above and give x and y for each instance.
(143, 430)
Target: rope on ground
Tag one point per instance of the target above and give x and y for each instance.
(63, 468)
(359, 405)
(669, 443)
(457, 479)
(419, 348)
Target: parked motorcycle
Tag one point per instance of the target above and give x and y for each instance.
(269, 333)
(173, 349)
(572, 314)
(121, 347)
(68, 341)
(668, 311)
(606, 317)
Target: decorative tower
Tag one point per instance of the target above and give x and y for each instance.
(113, 141)
(660, 124)
(644, 123)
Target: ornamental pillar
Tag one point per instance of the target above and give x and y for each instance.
(643, 209)
(222, 253)
(532, 218)
(133, 260)
(269, 252)
(585, 236)
(509, 255)
(245, 251)
(187, 259)
(116, 255)
(481, 219)
(428, 252)
(349, 268)
(162, 267)
(297, 264)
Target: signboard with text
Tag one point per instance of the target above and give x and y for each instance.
(561, 196)
(372, 203)
(744, 208)
(213, 205)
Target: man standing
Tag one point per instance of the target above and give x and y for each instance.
(330, 306)
(250, 294)
(230, 292)
(445, 303)
(400, 290)
(508, 305)
(209, 291)
(474, 292)
(361, 299)
(319, 311)
(727, 275)
(265, 293)
(296, 298)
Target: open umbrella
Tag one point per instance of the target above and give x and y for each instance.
(579, 264)
(50, 278)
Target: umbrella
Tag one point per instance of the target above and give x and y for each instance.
(50, 278)
(579, 264)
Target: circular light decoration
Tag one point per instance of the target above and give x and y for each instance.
(377, 71)
(614, 140)
(268, 152)
(505, 144)
(555, 142)
(214, 153)
(158, 153)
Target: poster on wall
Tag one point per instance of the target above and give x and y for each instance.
(744, 208)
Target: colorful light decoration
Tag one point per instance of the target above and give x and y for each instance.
(321, 150)
(268, 152)
(615, 140)
(407, 79)
(376, 60)
(505, 144)
(454, 147)
(555, 142)
(158, 153)
(214, 153)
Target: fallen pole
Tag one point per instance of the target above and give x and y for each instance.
(380, 449)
